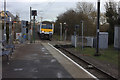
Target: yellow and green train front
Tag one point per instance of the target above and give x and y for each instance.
(46, 31)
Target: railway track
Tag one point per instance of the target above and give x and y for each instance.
(100, 74)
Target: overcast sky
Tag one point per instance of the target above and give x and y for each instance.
(48, 9)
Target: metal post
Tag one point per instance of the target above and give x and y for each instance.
(119, 12)
(30, 25)
(75, 36)
(0, 48)
(65, 30)
(65, 34)
(82, 35)
(75, 33)
(98, 24)
(34, 30)
(15, 31)
(10, 31)
(4, 20)
(61, 31)
(30, 15)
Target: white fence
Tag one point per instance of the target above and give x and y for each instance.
(90, 41)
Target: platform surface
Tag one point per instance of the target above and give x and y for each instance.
(40, 61)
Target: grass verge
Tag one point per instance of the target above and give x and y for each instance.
(110, 54)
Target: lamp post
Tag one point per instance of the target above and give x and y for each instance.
(65, 31)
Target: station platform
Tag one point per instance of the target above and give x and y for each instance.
(42, 61)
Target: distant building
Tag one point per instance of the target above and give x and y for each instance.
(8, 15)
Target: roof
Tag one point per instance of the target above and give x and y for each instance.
(2, 14)
(47, 22)
(8, 14)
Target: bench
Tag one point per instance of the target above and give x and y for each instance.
(6, 53)
(8, 46)
(6, 50)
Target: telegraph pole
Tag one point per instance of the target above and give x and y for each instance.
(98, 24)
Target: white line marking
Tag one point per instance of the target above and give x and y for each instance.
(18, 69)
(73, 62)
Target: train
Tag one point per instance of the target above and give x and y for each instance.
(46, 30)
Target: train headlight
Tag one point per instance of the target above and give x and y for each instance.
(42, 31)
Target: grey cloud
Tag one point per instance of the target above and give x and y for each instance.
(50, 10)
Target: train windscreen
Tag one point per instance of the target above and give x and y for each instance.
(46, 26)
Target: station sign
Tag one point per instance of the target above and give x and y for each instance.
(18, 35)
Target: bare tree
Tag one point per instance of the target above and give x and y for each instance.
(103, 19)
(84, 11)
(88, 9)
(85, 7)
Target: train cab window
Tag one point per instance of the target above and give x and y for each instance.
(46, 27)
